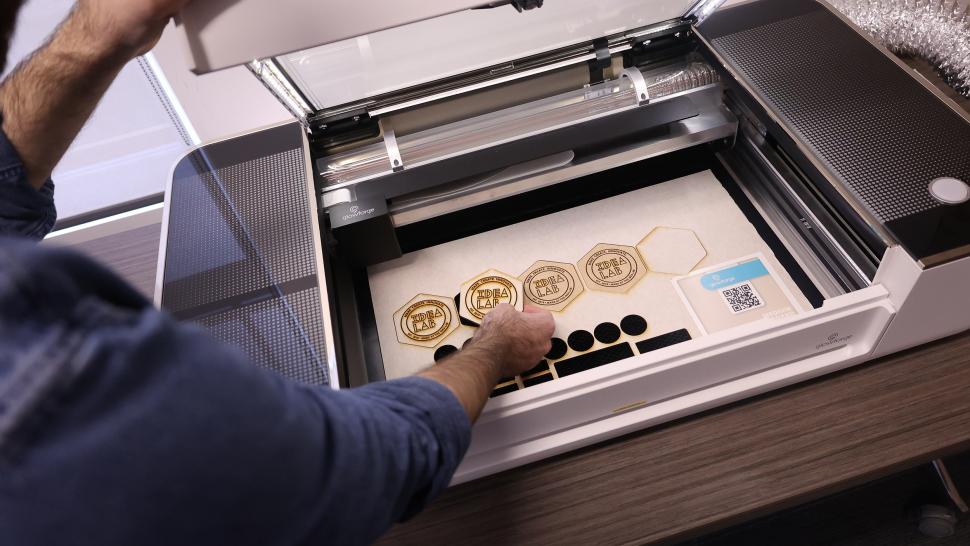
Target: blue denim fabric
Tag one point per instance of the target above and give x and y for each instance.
(120, 426)
(24, 210)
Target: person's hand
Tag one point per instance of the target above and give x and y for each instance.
(130, 27)
(507, 344)
(518, 340)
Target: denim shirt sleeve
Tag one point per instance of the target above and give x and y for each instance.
(150, 432)
(24, 210)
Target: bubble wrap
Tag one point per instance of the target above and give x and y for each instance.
(935, 30)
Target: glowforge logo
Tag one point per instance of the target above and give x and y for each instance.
(834, 339)
(356, 212)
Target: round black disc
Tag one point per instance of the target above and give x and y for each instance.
(607, 332)
(580, 340)
(558, 349)
(633, 325)
(444, 351)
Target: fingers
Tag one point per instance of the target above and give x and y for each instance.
(521, 338)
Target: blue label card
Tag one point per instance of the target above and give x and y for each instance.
(735, 274)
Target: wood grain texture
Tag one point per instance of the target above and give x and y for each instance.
(722, 467)
(133, 255)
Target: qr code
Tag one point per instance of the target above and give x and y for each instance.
(742, 297)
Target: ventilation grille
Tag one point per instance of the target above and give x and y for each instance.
(240, 255)
(879, 131)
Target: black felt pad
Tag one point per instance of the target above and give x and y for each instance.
(607, 332)
(444, 351)
(499, 391)
(633, 325)
(558, 350)
(539, 368)
(580, 340)
(666, 340)
(594, 359)
(544, 378)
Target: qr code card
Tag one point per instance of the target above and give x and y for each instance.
(742, 297)
(734, 293)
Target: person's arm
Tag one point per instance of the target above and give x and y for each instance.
(124, 427)
(50, 95)
(507, 344)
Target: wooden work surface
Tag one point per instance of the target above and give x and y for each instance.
(700, 473)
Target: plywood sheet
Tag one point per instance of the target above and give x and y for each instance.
(697, 202)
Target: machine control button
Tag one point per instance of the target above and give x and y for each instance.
(950, 191)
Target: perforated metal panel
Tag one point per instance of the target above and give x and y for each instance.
(878, 131)
(902, 149)
(271, 332)
(240, 256)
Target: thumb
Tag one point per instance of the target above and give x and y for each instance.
(541, 320)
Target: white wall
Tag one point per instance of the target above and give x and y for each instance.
(127, 148)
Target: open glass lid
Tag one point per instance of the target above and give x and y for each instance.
(336, 58)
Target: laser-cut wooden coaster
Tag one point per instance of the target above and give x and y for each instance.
(675, 251)
(426, 320)
(486, 292)
(612, 268)
(551, 285)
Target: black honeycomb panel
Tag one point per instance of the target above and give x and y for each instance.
(881, 134)
(265, 332)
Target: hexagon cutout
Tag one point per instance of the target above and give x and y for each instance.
(484, 292)
(675, 251)
(426, 320)
(551, 285)
(611, 268)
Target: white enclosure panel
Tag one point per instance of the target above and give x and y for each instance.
(429, 50)
(217, 105)
(223, 33)
(932, 303)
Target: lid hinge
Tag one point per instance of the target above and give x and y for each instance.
(523, 5)
(519, 5)
(280, 86)
(702, 9)
(601, 63)
(332, 133)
